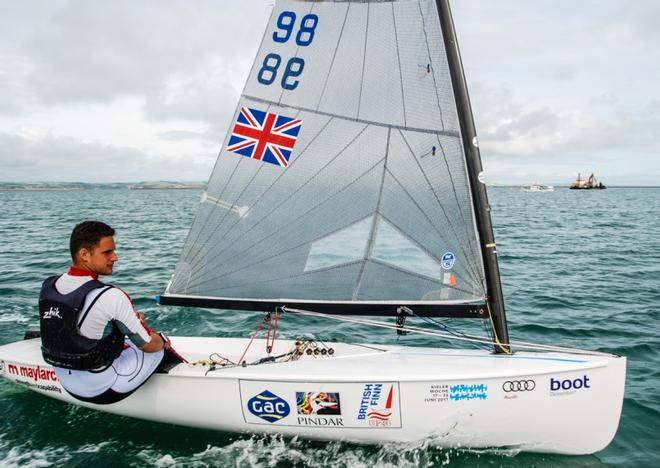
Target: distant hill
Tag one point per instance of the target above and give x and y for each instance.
(76, 186)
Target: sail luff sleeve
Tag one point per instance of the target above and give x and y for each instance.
(478, 188)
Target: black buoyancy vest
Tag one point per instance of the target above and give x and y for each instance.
(62, 344)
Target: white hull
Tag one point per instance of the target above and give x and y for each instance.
(450, 398)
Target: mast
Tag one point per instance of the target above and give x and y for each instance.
(478, 189)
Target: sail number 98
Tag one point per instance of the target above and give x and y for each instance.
(304, 36)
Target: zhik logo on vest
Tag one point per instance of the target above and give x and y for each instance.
(52, 312)
(268, 407)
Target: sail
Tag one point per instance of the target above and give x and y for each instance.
(342, 180)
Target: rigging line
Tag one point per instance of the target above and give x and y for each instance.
(266, 190)
(448, 329)
(238, 254)
(398, 58)
(441, 234)
(440, 204)
(334, 55)
(256, 332)
(447, 133)
(505, 348)
(364, 59)
(424, 331)
(374, 222)
(428, 51)
(469, 193)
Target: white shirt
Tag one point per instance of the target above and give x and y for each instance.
(114, 306)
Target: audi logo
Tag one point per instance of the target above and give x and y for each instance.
(518, 386)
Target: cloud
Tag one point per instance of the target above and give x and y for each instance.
(66, 159)
(96, 52)
(556, 85)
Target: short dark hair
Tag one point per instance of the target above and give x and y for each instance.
(87, 235)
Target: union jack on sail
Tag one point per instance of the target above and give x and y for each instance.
(264, 136)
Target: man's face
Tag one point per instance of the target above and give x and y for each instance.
(102, 257)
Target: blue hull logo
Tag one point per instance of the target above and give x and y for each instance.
(268, 407)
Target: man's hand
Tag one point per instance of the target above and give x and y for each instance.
(156, 344)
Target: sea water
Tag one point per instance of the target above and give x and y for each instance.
(579, 269)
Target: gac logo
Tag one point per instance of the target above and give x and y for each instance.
(268, 406)
(569, 384)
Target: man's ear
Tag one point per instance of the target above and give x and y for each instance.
(83, 255)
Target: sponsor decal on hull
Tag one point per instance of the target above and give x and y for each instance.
(36, 373)
(440, 393)
(37, 377)
(569, 386)
(318, 403)
(374, 407)
(460, 392)
(519, 385)
(319, 409)
(371, 405)
(268, 406)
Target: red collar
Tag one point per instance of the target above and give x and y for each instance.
(75, 271)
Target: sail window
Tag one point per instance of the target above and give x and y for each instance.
(344, 246)
(395, 248)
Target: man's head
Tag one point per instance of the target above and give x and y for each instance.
(93, 247)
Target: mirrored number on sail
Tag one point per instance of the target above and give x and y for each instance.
(294, 67)
(268, 70)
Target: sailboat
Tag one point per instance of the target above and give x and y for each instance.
(350, 187)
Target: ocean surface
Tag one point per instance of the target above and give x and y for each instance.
(579, 269)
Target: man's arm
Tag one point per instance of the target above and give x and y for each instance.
(156, 344)
(132, 323)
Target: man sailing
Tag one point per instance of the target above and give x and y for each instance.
(98, 344)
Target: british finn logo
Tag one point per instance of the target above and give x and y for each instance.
(264, 136)
(268, 407)
(448, 260)
(376, 404)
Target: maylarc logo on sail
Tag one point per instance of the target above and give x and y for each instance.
(376, 404)
(268, 407)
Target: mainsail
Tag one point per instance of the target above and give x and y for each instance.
(342, 183)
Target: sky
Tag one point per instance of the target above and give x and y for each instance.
(125, 91)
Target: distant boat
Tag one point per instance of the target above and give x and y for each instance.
(538, 188)
(589, 184)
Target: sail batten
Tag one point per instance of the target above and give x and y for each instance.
(343, 177)
(448, 133)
